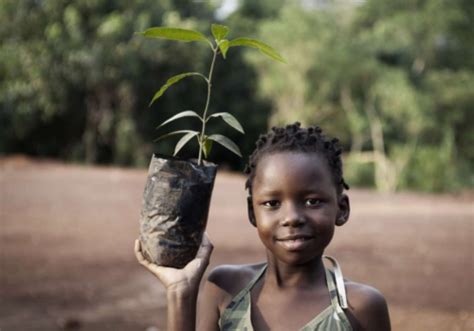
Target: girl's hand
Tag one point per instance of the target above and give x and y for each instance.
(184, 280)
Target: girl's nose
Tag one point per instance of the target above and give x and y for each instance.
(293, 216)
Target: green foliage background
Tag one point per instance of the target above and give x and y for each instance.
(394, 80)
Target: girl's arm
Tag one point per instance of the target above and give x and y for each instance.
(182, 286)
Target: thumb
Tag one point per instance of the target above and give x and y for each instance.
(203, 255)
(206, 248)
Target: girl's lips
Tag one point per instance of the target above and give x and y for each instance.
(294, 243)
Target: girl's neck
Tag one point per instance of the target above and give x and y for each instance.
(304, 276)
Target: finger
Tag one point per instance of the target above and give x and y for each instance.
(205, 249)
(155, 269)
(138, 254)
(152, 267)
(206, 241)
(136, 250)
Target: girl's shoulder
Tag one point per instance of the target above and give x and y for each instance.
(367, 307)
(234, 277)
(228, 280)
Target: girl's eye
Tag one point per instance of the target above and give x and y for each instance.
(272, 203)
(313, 202)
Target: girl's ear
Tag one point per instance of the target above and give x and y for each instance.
(344, 210)
(250, 211)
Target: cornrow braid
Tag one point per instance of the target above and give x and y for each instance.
(294, 138)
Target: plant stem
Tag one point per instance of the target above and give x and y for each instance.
(204, 119)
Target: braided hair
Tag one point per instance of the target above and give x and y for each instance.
(294, 138)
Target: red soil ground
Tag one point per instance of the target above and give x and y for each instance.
(67, 232)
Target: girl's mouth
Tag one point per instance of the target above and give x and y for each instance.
(294, 243)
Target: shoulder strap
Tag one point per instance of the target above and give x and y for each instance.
(239, 307)
(339, 285)
(249, 286)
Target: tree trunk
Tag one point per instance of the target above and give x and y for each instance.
(99, 123)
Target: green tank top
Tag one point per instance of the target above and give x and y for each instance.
(237, 314)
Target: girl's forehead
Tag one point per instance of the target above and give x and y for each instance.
(283, 159)
(284, 168)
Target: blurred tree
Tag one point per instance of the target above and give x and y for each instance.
(393, 80)
(375, 76)
(426, 42)
(76, 81)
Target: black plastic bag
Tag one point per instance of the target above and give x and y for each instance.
(175, 209)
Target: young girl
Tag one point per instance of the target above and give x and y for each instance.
(296, 199)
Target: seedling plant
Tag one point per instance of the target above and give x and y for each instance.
(218, 45)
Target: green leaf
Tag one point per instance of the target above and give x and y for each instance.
(226, 142)
(261, 46)
(231, 120)
(171, 81)
(224, 47)
(172, 134)
(186, 113)
(219, 31)
(174, 34)
(206, 147)
(184, 139)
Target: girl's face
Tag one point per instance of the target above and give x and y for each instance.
(296, 205)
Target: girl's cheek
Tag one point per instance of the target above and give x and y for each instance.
(265, 220)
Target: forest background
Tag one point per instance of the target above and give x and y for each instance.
(394, 80)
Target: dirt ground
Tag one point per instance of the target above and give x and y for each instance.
(67, 231)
